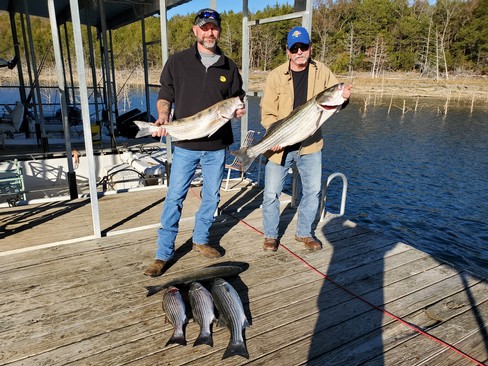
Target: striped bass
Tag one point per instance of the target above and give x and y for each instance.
(203, 124)
(231, 314)
(203, 312)
(300, 124)
(202, 274)
(174, 307)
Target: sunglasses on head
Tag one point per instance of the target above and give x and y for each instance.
(303, 47)
(208, 15)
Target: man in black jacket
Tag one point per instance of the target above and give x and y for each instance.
(194, 80)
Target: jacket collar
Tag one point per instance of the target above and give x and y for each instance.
(218, 51)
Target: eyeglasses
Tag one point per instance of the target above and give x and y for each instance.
(301, 46)
(208, 15)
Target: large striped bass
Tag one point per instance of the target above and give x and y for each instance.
(300, 124)
(202, 308)
(203, 124)
(201, 274)
(231, 314)
(175, 310)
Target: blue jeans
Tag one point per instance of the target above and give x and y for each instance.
(185, 163)
(310, 169)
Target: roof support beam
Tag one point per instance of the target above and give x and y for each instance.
(85, 113)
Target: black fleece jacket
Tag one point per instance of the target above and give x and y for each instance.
(191, 88)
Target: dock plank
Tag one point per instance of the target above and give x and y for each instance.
(84, 303)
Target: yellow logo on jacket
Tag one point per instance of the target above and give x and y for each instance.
(223, 79)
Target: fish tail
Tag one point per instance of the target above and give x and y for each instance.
(242, 154)
(177, 338)
(204, 339)
(236, 349)
(143, 130)
(151, 290)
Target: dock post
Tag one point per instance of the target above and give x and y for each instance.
(73, 190)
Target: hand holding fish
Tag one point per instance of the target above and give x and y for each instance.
(346, 92)
(160, 131)
(276, 148)
(240, 112)
(163, 107)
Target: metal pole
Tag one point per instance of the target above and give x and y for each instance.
(44, 139)
(146, 73)
(71, 100)
(93, 69)
(164, 34)
(245, 65)
(106, 66)
(307, 17)
(31, 83)
(15, 39)
(164, 57)
(112, 64)
(64, 110)
(85, 113)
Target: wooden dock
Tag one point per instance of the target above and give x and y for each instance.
(363, 299)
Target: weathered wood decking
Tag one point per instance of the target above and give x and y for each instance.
(84, 303)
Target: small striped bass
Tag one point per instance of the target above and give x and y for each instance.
(202, 124)
(175, 310)
(202, 308)
(300, 124)
(231, 314)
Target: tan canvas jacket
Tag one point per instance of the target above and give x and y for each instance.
(277, 101)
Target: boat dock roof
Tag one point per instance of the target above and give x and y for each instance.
(363, 299)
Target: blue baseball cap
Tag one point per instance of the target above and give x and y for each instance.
(297, 35)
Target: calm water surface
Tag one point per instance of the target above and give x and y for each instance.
(421, 177)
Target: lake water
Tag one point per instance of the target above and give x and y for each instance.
(419, 177)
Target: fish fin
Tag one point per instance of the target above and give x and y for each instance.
(317, 123)
(151, 290)
(246, 160)
(204, 339)
(177, 339)
(246, 323)
(236, 349)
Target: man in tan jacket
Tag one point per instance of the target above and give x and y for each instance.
(287, 87)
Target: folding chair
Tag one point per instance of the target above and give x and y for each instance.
(237, 166)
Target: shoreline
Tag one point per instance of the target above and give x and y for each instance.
(395, 85)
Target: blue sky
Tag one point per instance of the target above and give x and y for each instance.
(224, 5)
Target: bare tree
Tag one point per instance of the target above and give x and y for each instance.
(378, 56)
(448, 9)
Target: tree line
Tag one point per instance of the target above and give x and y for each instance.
(450, 36)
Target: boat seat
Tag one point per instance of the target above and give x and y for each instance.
(13, 121)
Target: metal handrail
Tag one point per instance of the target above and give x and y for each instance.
(324, 196)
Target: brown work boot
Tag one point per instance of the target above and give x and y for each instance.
(155, 269)
(309, 243)
(206, 250)
(270, 244)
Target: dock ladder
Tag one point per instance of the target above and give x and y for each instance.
(324, 194)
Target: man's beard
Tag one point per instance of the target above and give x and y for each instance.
(207, 43)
